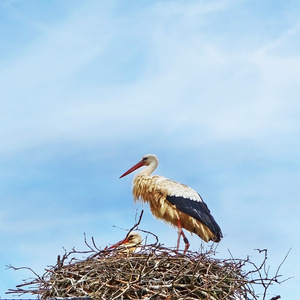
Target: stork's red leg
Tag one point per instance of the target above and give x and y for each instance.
(178, 240)
(186, 241)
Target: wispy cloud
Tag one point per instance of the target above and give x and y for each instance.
(203, 85)
(186, 74)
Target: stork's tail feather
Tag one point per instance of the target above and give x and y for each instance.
(218, 234)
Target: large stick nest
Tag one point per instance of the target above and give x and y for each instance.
(154, 272)
(151, 272)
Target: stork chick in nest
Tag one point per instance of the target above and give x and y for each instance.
(131, 242)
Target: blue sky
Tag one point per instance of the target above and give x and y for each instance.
(87, 88)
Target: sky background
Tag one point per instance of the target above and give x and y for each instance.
(88, 87)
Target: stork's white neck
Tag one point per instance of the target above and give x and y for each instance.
(150, 168)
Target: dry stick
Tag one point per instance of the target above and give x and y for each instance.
(85, 241)
(23, 268)
(148, 232)
(265, 281)
(137, 224)
(95, 245)
(276, 275)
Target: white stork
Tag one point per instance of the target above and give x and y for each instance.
(129, 244)
(173, 202)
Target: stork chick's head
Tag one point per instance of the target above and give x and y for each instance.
(130, 243)
(148, 160)
(134, 238)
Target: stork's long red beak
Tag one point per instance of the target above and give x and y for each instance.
(138, 165)
(118, 244)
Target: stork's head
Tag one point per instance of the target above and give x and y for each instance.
(147, 160)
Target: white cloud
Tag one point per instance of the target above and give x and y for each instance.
(225, 93)
(228, 106)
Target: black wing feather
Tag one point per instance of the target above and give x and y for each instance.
(197, 210)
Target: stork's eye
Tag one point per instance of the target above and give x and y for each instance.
(144, 158)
